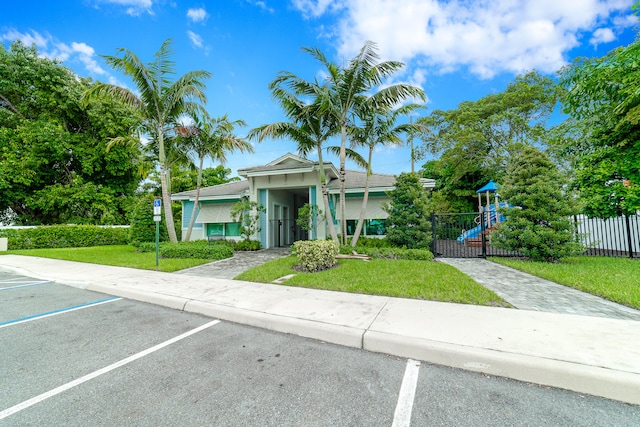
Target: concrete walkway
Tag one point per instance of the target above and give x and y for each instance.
(593, 355)
(528, 292)
(238, 263)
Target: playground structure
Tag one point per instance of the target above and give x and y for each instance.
(489, 215)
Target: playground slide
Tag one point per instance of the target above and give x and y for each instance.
(475, 231)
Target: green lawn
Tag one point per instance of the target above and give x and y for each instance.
(396, 278)
(616, 279)
(122, 256)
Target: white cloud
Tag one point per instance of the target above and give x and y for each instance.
(133, 7)
(602, 35)
(262, 5)
(316, 8)
(485, 37)
(50, 48)
(195, 38)
(197, 15)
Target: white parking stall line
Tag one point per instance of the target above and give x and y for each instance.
(27, 403)
(404, 407)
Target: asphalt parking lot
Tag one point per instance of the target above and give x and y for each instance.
(74, 357)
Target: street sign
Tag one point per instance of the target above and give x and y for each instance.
(157, 204)
(156, 218)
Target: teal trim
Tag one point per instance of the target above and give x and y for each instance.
(314, 220)
(215, 202)
(262, 200)
(361, 195)
(187, 208)
(332, 208)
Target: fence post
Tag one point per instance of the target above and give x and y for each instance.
(483, 237)
(629, 241)
(433, 234)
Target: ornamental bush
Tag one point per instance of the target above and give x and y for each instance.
(195, 250)
(539, 225)
(389, 252)
(64, 236)
(315, 255)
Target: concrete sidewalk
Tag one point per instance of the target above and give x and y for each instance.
(598, 356)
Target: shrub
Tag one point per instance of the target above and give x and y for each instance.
(64, 236)
(539, 226)
(195, 250)
(143, 228)
(368, 242)
(248, 245)
(409, 221)
(315, 255)
(390, 252)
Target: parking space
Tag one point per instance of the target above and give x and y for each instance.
(120, 362)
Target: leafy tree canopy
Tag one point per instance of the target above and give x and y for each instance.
(475, 140)
(53, 158)
(604, 141)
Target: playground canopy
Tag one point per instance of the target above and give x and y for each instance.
(490, 187)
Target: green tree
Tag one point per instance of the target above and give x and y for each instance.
(345, 88)
(409, 222)
(475, 140)
(52, 145)
(540, 224)
(160, 102)
(213, 138)
(378, 127)
(604, 140)
(247, 213)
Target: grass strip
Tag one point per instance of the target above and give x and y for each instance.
(395, 278)
(117, 255)
(615, 279)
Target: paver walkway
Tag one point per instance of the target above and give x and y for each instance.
(528, 292)
(239, 262)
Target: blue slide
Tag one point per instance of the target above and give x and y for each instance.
(475, 231)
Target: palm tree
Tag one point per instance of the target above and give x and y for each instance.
(214, 138)
(346, 88)
(159, 100)
(378, 128)
(308, 129)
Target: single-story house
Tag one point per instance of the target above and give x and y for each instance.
(282, 187)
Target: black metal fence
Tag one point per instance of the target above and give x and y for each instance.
(617, 237)
(466, 235)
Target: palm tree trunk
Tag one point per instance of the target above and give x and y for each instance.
(166, 198)
(365, 199)
(325, 198)
(192, 220)
(343, 156)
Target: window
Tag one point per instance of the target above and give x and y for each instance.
(232, 229)
(372, 227)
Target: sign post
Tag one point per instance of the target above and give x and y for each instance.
(157, 206)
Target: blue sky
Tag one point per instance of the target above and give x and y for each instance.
(455, 50)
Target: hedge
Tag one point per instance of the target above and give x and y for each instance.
(64, 236)
(390, 253)
(199, 251)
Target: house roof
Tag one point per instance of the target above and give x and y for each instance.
(231, 190)
(289, 163)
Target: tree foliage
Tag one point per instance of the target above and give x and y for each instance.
(160, 101)
(539, 223)
(409, 222)
(53, 158)
(475, 140)
(247, 213)
(603, 99)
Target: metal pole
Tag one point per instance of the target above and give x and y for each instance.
(629, 242)
(157, 240)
